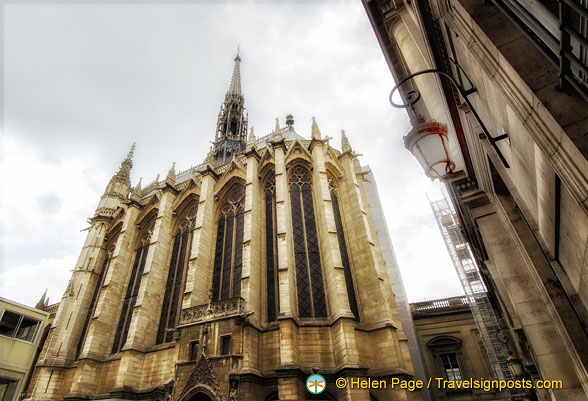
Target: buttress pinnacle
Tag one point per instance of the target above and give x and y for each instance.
(316, 132)
(345, 146)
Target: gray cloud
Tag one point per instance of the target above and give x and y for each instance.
(49, 203)
(83, 82)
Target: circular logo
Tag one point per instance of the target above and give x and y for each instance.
(316, 384)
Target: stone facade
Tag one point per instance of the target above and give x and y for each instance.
(233, 280)
(452, 347)
(519, 179)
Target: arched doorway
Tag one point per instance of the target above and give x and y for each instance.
(200, 397)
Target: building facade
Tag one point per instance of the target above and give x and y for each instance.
(502, 87)
(233, 280)
(452, 348)
(22, 330)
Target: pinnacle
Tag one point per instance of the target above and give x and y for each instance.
(316, 132)
(43, 302)
(171, 174)
(251, 140)
(277, 130)
(345, 146)
(172, 171)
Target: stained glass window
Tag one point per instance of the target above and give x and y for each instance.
(176, 275)
(226, 276)
(343, 248)
(307, 260)
(130, 298)
(272, 279)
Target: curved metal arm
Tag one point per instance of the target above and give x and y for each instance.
(414, 96)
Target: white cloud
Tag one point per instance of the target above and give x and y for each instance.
(26, 283)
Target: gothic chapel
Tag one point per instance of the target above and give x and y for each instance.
(233, 280)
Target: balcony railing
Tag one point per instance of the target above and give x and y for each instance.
(439, 304)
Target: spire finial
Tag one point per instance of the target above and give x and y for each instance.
(235, 88)
(124, 172)
(316, 132)
(345, 146)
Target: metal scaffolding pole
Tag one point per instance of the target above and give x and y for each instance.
(473, 286)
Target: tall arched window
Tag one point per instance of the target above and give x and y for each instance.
(226, 277)
(176, 275)
(343, 248)
(271, 249)
(130, 299)
(307, 259)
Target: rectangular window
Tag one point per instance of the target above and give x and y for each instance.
(225, 345)
(7, 389)
(451, 367)
(18, 326)
(194, 350)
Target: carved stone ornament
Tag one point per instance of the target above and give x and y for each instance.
(234, 391)
(211, 311)
(202, 374)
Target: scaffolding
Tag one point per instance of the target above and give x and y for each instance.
(473, 286)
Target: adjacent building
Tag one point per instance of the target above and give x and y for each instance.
(497, 94)
(452, 348)
(22, 331)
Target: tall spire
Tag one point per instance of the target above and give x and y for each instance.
(231, 126)
(235, 88)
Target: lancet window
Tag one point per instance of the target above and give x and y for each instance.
(95, 295)
(132, 292)
(334, 191)
(271, 249)
(176, 276)
(226, 276)
(307, 260)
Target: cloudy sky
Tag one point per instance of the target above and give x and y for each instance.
(83, 81)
